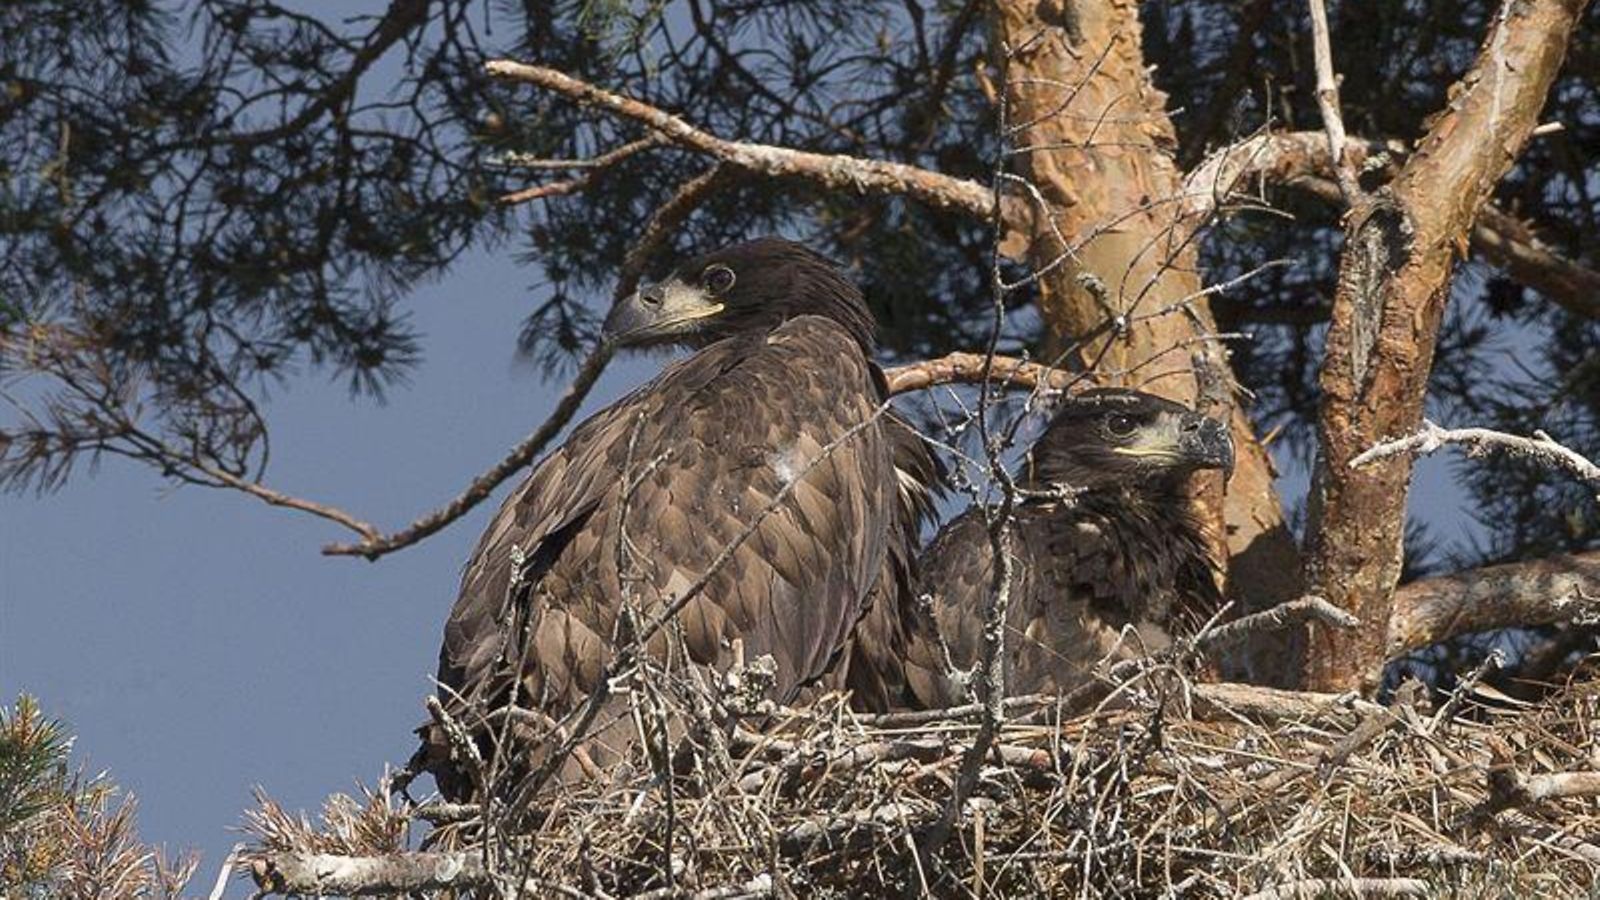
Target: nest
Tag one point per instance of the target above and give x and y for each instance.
(1165, 787)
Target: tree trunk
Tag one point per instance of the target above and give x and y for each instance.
(1081, 95)
(1394, 279)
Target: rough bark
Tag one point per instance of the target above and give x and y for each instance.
(1552, 591)
(1095, 139)
(1299, 159)
(1401, 244)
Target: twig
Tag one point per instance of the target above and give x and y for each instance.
(834, 171)
(221, 885)
(915, 717)
(1431, 437)
(1509, 787)
(1315, 888)
(441, 813)
(1328, 101)
(1292, 612)
(482, 486)
(991, 677)
(973, 368)
(1233, 700)
(591, 170)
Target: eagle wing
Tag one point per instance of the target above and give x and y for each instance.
(644, 496)
(1079, 579)
(894, 660)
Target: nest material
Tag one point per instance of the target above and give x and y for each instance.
(1168, 788)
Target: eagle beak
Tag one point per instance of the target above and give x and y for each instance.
(1206, 444)
(659, 313)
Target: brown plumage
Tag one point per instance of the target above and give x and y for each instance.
(1118, 547)
(781, 371)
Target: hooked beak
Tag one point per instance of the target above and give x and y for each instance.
(660, 313)
(1206, 444)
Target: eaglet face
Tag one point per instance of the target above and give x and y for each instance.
(1114, 436)
(746, 288)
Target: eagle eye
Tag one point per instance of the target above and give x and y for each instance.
(718, 279)
(1120, 425)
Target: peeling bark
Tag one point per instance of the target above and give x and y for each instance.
(1102, 160)
(1401, 245)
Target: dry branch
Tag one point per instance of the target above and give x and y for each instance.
(592, 168)
(1276, 704)
(484, 485)
(833, 171)
(1431, 438)
(973, 368)
(1510, 787)
(1561, 589)
(1328, 101)
(1293, 612)
(321, 874)
(1299, 159)
(1319, 888)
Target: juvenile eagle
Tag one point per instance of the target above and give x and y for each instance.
(775, 423)
(1117, 547)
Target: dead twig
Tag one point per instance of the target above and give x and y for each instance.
(592, 168)
(482, 486)
(1316, 888)
(1431, 438)
(835, 171)
(1328, 101)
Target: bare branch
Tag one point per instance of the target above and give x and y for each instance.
(1431, 438)
(1275, 704)
(1299, 159)
(592, 169)
(319, 874)
(482, 486)
(1313, 888)
(836, 171)
(1328, 101)
(977, 368)
(1550, 591)
(1292, 612)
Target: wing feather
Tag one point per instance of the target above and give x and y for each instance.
(726, 429)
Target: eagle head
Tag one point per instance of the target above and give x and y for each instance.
(1114, 436)
(748, 288)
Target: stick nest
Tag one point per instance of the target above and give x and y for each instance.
(1167, 787)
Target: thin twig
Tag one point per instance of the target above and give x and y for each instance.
(484, 485)
(836, 171)
(1292, 612)
(1313, 888)
(1431, 437)
(1328, 101)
